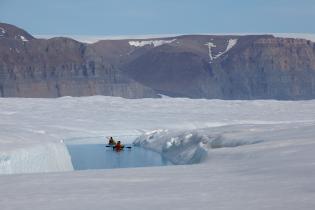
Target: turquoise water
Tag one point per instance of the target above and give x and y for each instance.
(98, 156)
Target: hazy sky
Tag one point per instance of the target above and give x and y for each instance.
(133, 17)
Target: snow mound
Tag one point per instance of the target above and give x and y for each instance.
(50, 157)
(155, 43)
(188, 147)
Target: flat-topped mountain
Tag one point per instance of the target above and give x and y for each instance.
(195, 66)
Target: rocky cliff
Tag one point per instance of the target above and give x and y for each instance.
(56, 67)
(195, 66)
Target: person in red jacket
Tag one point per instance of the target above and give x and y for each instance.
(118, 147)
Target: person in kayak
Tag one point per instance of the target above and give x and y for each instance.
(111, 141)
(118, 146)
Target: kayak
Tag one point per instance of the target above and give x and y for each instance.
(114, 146)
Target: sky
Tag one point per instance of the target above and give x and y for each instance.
(139, 17)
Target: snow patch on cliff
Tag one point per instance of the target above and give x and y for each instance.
(210, 46)
(23, 38)
(231, 43)
(2, 31)
(155, 43)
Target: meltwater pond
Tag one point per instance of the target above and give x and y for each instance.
(98, 156)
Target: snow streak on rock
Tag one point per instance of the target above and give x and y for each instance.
(23, 39)
(2, 31)
(230, 45)
(210, 46)
(155, 43)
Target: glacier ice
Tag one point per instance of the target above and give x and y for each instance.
(190, 146)
(49, 157)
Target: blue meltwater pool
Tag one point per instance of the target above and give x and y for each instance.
(98, 156)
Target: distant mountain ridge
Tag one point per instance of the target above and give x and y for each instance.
(195, 66)
(90, 39)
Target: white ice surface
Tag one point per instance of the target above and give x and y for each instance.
(40, 158)
(255, 154)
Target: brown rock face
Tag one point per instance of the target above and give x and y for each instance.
(56, 67)
(256, 67)
(225, 67)
(272, 68)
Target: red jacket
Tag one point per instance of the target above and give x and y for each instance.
(119, 147)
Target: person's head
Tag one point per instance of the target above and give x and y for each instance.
(118, 142)
(111, 138)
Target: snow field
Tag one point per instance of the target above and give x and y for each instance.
(254, 154)
(184, 130)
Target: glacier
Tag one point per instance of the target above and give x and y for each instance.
(250, 154)
(188, 146)
(31, 128)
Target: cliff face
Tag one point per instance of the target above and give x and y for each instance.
(226, 67)
(247, 67)
(272, 68)
(56, 67)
